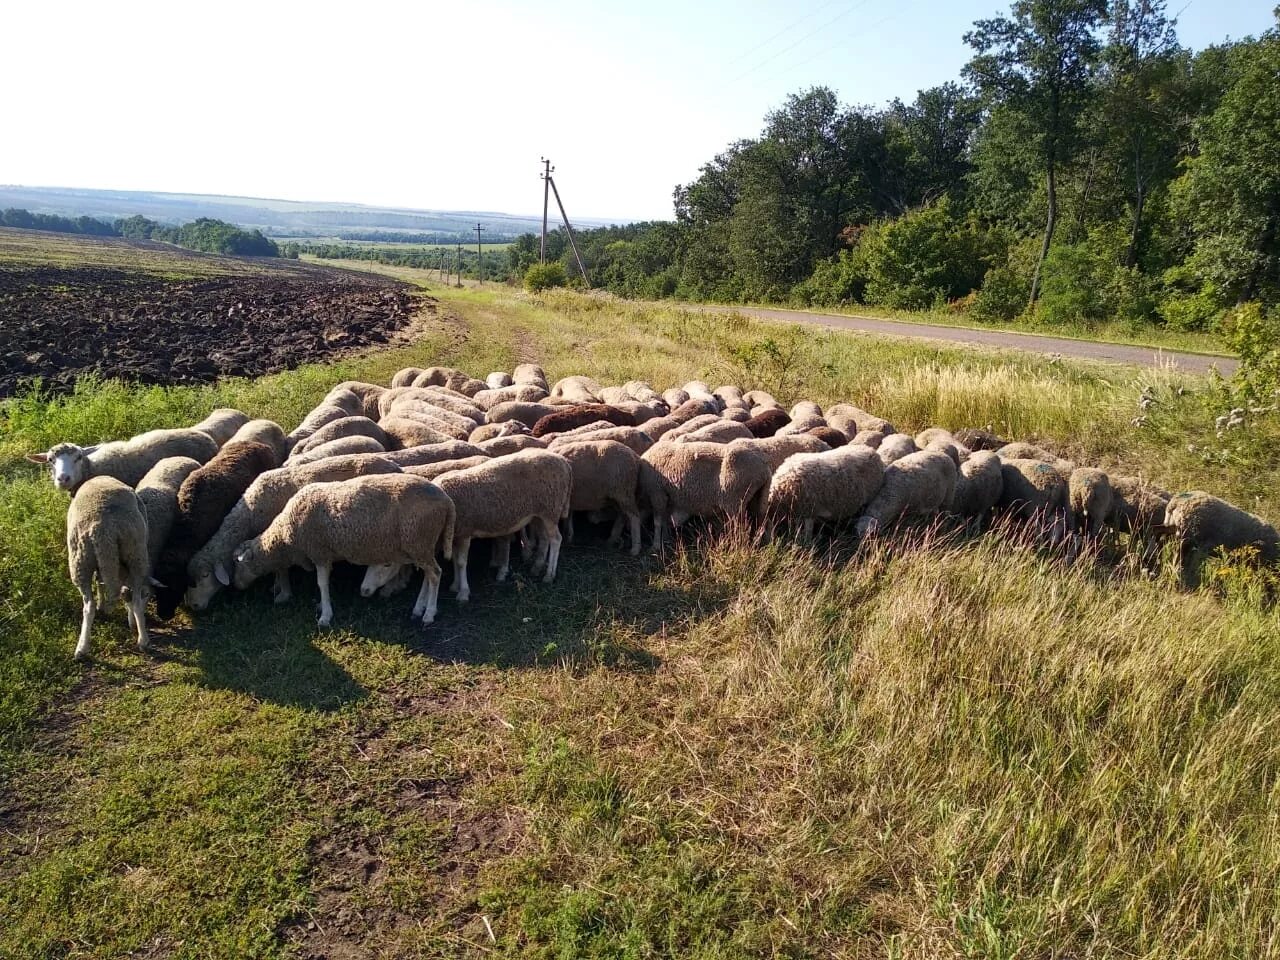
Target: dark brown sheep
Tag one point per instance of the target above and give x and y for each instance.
(204, 500)
(580, 415)
(975, 438)
(767, 423)
(829, 435)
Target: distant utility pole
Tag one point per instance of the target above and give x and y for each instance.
(457, 260)
(442, 280)
(546, 182)
(479, 255)
(569, 230)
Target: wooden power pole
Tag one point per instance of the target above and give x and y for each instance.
(479, 255)
(546, 183)
(457, 266)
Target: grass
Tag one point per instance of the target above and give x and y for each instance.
(932, 747)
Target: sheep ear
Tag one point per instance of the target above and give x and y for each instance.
(220, 573)
(38, 457)
(88, 450)
(156, 583)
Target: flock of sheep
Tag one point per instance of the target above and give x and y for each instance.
(392, 478)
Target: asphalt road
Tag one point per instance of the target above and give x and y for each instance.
(1084, 349)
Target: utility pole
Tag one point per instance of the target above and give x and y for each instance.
(546, 182)
(442, 265)
(569, 230)
(479, 255)
(457, 260)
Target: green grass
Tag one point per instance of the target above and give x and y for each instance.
(933, 747)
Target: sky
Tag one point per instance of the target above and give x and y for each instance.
(451, 105)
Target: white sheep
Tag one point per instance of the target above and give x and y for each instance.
(716, 480)
(829, 485)
(574, 390)
(125, 460)
(338, 448)
(1089, 490)
(777, 449)
(605, 474)
(266, 432)
(107, 539)
(719, 431)
(498, 379)
(158, 493)
(896, 446)
(382, 521)
(1201, 523)
(1037, 491)
(978, 485)
(916, 485)
(356, 426)
(222, 424)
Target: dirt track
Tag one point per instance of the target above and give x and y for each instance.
(60, 323)
(1084, 349)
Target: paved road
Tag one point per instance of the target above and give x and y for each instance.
(1086, 349)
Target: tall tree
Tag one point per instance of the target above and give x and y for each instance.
(1037, 63)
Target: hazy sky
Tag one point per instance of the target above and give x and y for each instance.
(449, 105)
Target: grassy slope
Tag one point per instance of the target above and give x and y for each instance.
(940, 749)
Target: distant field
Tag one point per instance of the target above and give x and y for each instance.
(35, 248)
(394, 247)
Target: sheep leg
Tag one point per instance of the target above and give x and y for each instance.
(543, 550)
(806, 530)
(553, 549)
(634, 521)
(527, 543)
(460, 585)
(326, 606)
(426, 604)
(282, 592)
(568, 527)
(615, 534)
(502, 557)
(89, 611)
(398, 582)
(138, 607)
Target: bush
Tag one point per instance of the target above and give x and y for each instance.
(924, 258)
(1069, 289)
(1254, 334)
(1189, 304)
(1003, 295)
(542, 276)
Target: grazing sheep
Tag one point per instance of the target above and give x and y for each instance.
(614, 395)
(266, 432)
(917, 485)
(658, 427)
(514, 443)
(1026, 451)
(605, 474)
(447, 422)
(758, 398)
(1137, 506)
(631, 437)
(409, 432)
(776, 449)
(436, 376)
(317, 418)
(730, 394)
(641, 392)
(338, 448)
(715, 480)
(524, 393)
(433, 453)
(977, 438)
(686, 427)
(204, 500)
(719, 431)
(1089, 490)
(435, 397)
(380, 521)
(948, 446)
(369, 393)
(736, 414)
(107, 539)
(642, 411)
(926, 437)
(527, 413)
(508, 428)
(262, 502)
(502, 497)
(158, 493)
(125, 460)
(576, 390)
(831, 437)
(578, 433)
(863, 419)
(896, 446)
(979, 484)
(575, 416)
(222, 424)
(698, 390)
(1037, 491)
(802, 424)
(530, 373)
(696, 407)
(498, 379)
(674, 397)
(467, 386)
(357, 426)
(767, 423)
(1202, 523)
(829, 485)
(868, 438)
(805, 408)
(405, 376)
(433, 470)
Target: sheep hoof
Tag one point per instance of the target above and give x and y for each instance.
(324, 621)
(81, 655)
(464, 597)
(280, 599)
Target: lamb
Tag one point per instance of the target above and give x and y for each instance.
(530, 373)
(433, 453)
(1089, 490)
(896, 446)
(107, 539)
(630, 437)
(721, 431)
(505, 446)
(357, 426)
(433, 470)
(338, 448)
(222, 424)
(266, 432)
(125, 460)
(410, 432)
(204, 500)
(683, 480)
(527, 413)
(158, 494)
(696, 407)
(504, 496)
(1037, 491)
(768, 423)
(488, 431)
(1202, 523)
(405, 377)
(979, 485)
(498, 379)
(831, 437)
(576, 390)
(381, 521)
(318, 417)
(369, 393)
(776, 450)
(917, 485)
(829, 485)
(575, 416)
(605, 474)
(262, 502)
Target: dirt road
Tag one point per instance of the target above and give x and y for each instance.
(1085, 349)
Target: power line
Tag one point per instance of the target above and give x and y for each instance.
(794, 23)
(823, 52)
(787, 49)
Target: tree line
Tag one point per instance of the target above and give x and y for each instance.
(204, 234)
(1085, 167)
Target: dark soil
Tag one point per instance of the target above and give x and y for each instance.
(60, 324)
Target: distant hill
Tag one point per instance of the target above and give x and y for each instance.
(278, 218)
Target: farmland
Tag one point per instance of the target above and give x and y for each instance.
(935, 746)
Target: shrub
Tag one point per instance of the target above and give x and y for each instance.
(1254, 334)
(542, 276)
(1003, 295)
(924, 258)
